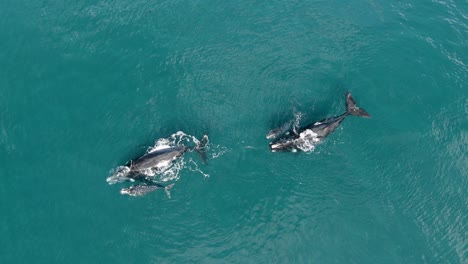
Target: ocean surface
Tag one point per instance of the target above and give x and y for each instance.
(85, 86)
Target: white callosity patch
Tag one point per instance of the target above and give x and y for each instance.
(276, 146)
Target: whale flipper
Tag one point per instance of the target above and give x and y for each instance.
(201, 148)
(167, 189)
(353, 109)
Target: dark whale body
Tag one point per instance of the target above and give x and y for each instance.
(318, 130)
(142, 189)
(155, 159)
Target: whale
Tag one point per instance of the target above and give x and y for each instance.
(274, 133)
(156, 159)
(295, 139)
(142, 189)
(136, 170)
(161, 158)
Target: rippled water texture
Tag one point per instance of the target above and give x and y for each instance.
(86, 86)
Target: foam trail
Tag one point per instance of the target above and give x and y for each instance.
(197, 169)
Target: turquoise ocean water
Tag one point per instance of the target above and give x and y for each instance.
(87, 85)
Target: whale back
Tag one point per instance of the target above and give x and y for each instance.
(154, 158)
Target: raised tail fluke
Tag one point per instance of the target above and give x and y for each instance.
(167, 189)
(201, 148)
(352, 109)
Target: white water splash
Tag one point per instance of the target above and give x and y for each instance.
(297, 121)
(218, 151)
(196, 168)
(168, 173)
(119, 174)
(162, 143)
(307, 141)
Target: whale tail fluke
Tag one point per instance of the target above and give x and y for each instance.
(167, 189)
(353, 109)
(201, 148)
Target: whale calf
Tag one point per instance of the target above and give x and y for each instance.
(274, 133)
(142, 189)
(304, 139)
